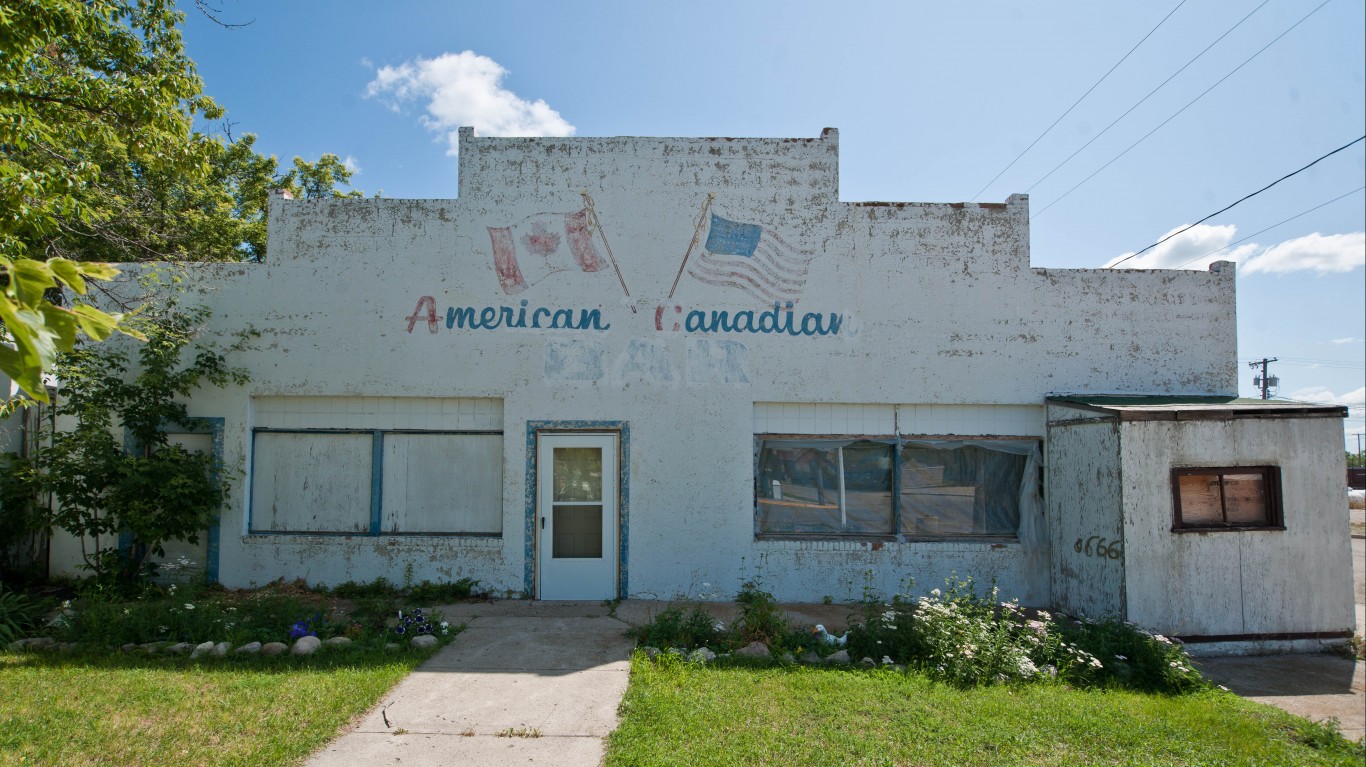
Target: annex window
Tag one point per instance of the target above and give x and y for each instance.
(1226, 498)
(826, 487)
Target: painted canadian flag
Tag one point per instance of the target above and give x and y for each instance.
(541, 245)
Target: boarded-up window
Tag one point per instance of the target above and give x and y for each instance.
(1226, 497)
(443, 483)
(311, 482)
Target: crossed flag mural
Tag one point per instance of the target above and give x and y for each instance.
(751, 258)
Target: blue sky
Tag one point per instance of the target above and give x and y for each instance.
(932, 100)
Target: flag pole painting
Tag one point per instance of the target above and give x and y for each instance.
(747, 257)
(546, 243)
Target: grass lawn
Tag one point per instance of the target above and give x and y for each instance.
(679, 714)
(114, 709)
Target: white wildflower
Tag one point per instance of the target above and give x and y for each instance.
(189, 606)
(1044, 615)
(934, 593)
(1120, 657)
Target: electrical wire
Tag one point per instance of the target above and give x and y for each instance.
(1245, 198)
(1179, 111)
(1145, 98)
(1078, 101)
(1273, 226)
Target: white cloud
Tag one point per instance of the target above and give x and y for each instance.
(1194, 249)
(352, 164)
(1341, 341)
(465, 89)
(1324, 254)
(1355, 400)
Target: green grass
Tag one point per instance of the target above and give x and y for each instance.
(681, 714)
(113, 709)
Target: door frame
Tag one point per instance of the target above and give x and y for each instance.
(622, 430)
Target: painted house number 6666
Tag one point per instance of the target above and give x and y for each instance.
(1114, 550)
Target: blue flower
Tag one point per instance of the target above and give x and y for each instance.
(400, 629)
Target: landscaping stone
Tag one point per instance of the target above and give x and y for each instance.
(128, 647)
(66, 646)
(219, 650)
(811, 657)
(651, 652)
(274, 648)
(305, 646)
(179, 648)
(868, 663)
(250, 648)
(17, 645)
(40, 643)
(753, 650)
(425, 640)
(337, 643)
(786, 658)
(702, 655)
(840, 658)
(150, 647)
(201, 649)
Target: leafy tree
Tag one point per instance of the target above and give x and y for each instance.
(100, 161)
(156, 492)
(1355, 459)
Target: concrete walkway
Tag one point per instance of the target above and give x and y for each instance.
(525, 683)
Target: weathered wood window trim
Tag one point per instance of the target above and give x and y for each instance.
(1186, 518)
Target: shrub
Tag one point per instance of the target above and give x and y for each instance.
(760, 620)
(19, 616)
(676, 626)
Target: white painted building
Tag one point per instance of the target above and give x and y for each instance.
(629, 367)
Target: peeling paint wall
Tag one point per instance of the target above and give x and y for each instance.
(568, 281)
(1238, 582)
(1085, 517)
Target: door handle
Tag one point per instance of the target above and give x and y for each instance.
(542, 523)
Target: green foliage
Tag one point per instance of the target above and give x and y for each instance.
(677, 626)
(424, 593)
(761, 620)
(101, 161)
(1131, 657)
(158, 491)
(19, 616)
(1356, 459)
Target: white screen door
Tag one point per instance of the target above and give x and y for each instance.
(576, 516)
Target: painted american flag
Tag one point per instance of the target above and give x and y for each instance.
(751, 258)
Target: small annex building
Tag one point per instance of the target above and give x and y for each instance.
(650, 367)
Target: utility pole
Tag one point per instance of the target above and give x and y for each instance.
(1264, 381)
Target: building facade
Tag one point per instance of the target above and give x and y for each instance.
(644, 368)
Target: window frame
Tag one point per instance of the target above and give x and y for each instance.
(1271, 482)
(894, 443)
(376, 529)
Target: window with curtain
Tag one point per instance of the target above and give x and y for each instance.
(824, 487)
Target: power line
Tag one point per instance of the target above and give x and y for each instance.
(1245, 198)
(1179, 111)
(1145, 98)
(1273, 226)
(1078, 101)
